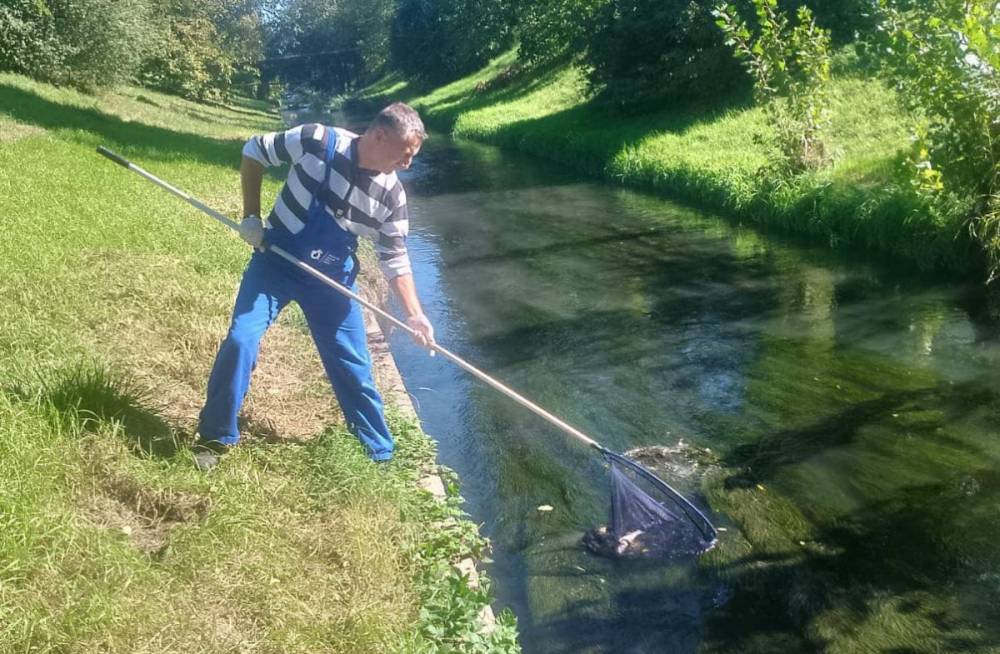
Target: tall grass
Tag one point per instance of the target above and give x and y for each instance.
(117, 297)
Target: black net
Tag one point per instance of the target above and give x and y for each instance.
(648, 517)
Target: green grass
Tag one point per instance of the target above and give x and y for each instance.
(712, 157)
(118, 295)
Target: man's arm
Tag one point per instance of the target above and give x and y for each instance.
(406, 290)
(251, 180)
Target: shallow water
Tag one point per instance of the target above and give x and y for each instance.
(852, 408)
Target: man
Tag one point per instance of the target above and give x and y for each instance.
(340, 186)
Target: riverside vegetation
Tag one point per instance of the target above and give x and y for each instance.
(103, 523)
(880, 135)
(117, 295)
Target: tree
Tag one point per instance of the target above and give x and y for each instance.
(329, 46)
(440, 40)
(203, 47)
(645, 53)
(551, 31)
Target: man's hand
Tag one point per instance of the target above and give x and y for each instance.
(252, 230)
(423, 333)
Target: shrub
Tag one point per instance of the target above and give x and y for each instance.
(943, 58)
(89, 44)
(27, 36)
(790, 67)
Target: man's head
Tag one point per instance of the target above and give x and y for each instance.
(392, 139)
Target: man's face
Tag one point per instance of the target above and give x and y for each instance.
(393, 152)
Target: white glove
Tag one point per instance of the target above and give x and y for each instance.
(252, 230)
(423, 333)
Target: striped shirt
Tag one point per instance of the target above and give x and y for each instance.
(376, 202)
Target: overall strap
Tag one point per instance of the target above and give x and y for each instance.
(331, 142)
(325, 188)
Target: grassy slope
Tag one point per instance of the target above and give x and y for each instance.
(117, 295)
(712, 158)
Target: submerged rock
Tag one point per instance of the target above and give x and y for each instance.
(680, 462)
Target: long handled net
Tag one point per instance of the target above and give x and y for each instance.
(648, 516)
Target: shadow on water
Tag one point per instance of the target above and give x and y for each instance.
(904, 569)
(639, 621)
(554, 248)
(760, 460)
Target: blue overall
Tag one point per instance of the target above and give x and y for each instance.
(335, 322)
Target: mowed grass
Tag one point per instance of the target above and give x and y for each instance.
(716, 155)
(117, 296)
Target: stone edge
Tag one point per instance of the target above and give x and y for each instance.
(391, 386)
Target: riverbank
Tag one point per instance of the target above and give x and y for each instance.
(117, 297)
(713, 157)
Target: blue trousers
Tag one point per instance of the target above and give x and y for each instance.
(337, 327)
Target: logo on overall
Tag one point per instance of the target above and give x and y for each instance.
(316, 254)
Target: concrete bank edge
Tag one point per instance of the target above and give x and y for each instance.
(394, 393)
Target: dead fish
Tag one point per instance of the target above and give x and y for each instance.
(628, 541)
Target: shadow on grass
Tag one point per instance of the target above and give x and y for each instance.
(92, 398)
(462, 101)
(130, 139)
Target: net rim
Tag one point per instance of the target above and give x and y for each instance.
(693, 513)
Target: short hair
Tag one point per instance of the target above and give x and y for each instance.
(402, 119)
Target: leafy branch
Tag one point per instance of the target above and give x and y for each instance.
(790, 66)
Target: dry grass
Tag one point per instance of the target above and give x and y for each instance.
(12, 130)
